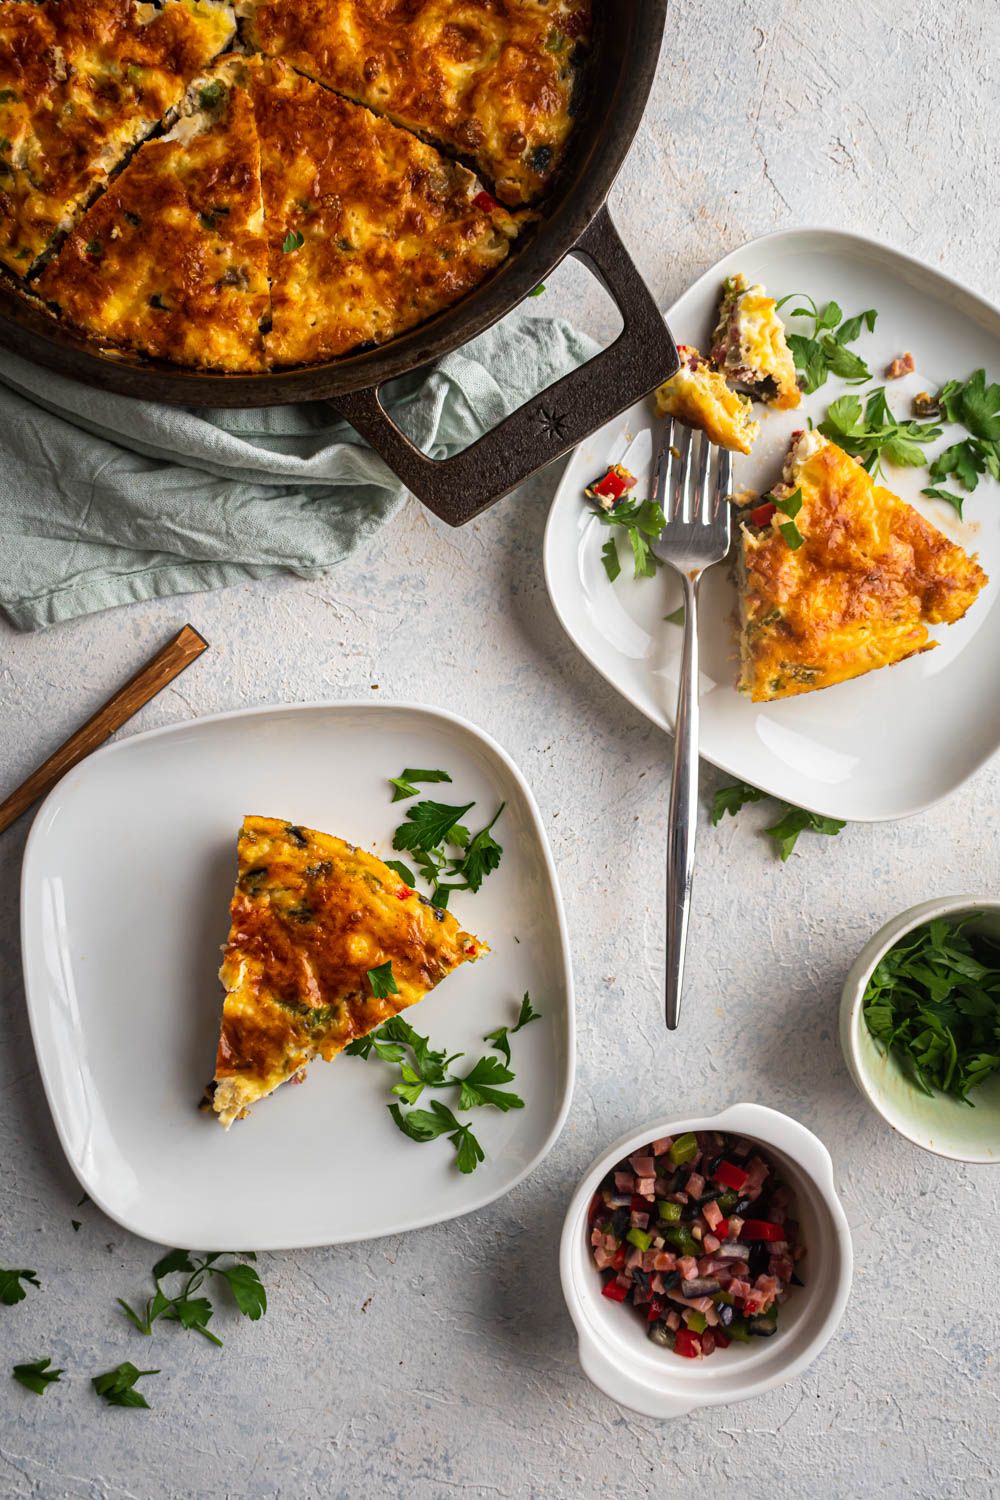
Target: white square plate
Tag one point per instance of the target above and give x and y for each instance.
(887, 744)
(127, 879)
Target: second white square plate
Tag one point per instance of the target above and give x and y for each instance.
(885, 745)
(125, 892)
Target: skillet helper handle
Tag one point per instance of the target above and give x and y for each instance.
(551, 423)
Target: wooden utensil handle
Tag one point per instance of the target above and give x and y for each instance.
(177, 654)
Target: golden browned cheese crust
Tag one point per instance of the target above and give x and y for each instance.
(494, 80)
(172, 259)
(370, 230)
(870, 576)
(81, 82)
(311, 915)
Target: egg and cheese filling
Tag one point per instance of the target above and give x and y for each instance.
(749, 345)
(699, 396)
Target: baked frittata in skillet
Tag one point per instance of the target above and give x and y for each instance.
(311, 917)
(81, 82)
(370, 230)
(852, 587)
(494, 80)
(172, 259)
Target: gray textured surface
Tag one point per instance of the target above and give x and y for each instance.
(443, 1362)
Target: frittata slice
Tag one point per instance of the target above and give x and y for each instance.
(312, 917)
(81, 84)
(856, 593)
(370, 230)
(749, 345)
(496, 83)
(172, 259)
(699, 396)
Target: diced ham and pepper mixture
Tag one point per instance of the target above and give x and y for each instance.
(698, 1232)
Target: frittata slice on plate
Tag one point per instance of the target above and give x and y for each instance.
(749, 345)
(370, 230)
(699, 397)
(81, 83)
(312, 917)
(846, 578)
(172, 259)
(496, 83)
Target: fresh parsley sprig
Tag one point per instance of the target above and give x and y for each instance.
(11, 1288)
(975, 406)
(383, 981)
(824, 351)
(641, 520)
(448, 856)
(405, 786)
(38, 1376)
(424, 1125)
(117, 1386)
(934, 1000)
(499, 1039)
(195, 1312)
(785, 832)
(871, 434)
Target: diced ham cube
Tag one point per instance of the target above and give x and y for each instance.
(643, 1166)
(739, 1289)
(625, 1182)
(639, 1221)
(664, 1261)
(673, 1320)
(663, 1145)
(646, 1187)
(711, 1244)
(695, 1185)
(634, 1258)
(708, 1342)
(713, 1214)
(688, 1267)
(601, 1258)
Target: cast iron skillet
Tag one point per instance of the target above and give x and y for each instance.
(575, 222)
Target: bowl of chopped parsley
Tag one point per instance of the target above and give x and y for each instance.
(920, 1026)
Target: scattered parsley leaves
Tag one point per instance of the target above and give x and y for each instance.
(824, 352)
(479, 1086)
(785, 832)
(642, 520)
(293, 240)
(500, 1039)
(677, 617)
(424, 1125)
(117, 1386)
(11, 1290)
(538, 290)
(383, 981)
(404, 782)
(481, 857)
(404, 872)
(428, 824)
(949, 496)
(38, 1376)
(934, 1000)
(195, 1312)
(873, 433)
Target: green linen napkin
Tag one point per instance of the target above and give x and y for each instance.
(105, 500)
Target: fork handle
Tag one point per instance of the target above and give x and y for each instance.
(683, 816)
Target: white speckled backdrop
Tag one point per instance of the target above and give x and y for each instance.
(443, 1362)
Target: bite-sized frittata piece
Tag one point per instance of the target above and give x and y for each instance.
(172, 259)
(852, 586)
(496, 82)
(81, 83)
(699, 396)
(749, 345)
(311, 918)
(370, 230)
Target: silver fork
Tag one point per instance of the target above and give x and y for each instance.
(696, 536)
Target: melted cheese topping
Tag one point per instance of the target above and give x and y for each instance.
(370, 230)
(494, 82)
(860, 591)
(749, 345)
(172, 260)
(80, 85)
(699, 396)
(311, 915)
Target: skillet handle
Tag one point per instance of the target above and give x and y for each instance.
(547, 426)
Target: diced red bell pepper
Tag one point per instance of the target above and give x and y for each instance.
(640, 1205)
(613, 484)
(762, 514)
(761, 1229)
(614, 1290)
(655, 1310)
(731, 1176)
(486, 202)
(618, 1259)
(404, 892)
(721, 1230)
(687, 1344)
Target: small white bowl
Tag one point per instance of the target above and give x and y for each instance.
(936, 1122)
(613, 1347)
